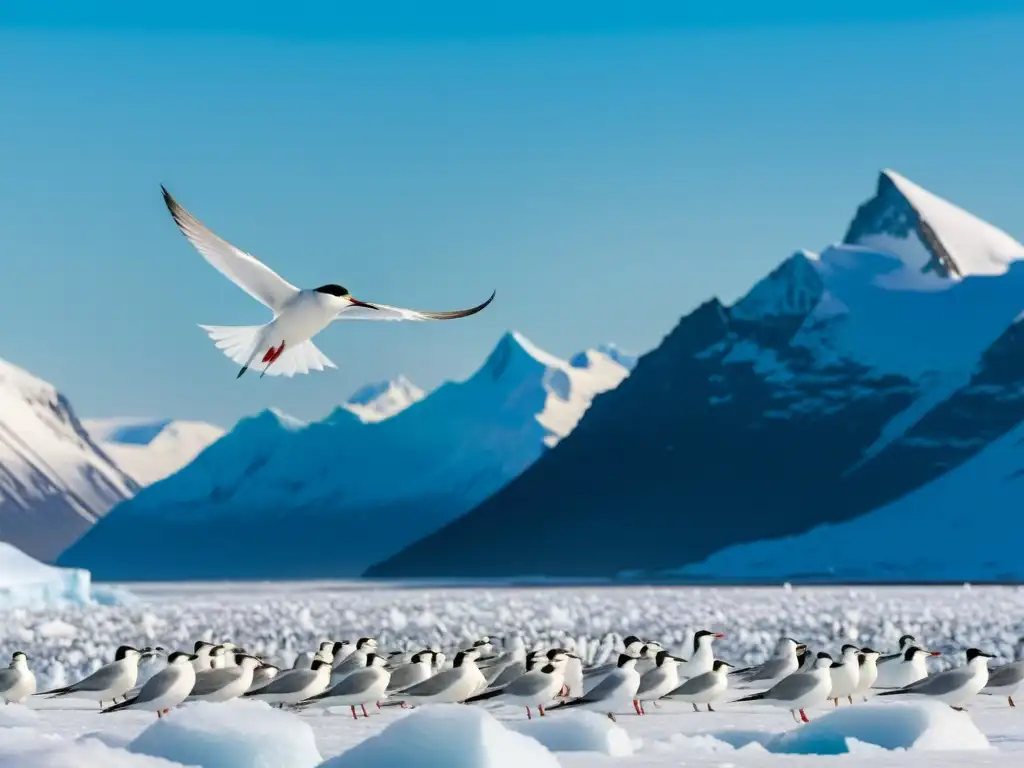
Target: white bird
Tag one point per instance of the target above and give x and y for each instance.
(909, 669)
(285, 343)
(783, 662)
(262, 675)
(17, 681)
(845, 674)
(648, 652)
(356, 659)
(218, 657)
(294, 685)
(201, 651)
(327, 650)
(656, 682)
(449, 686)
(364, 686)
(226, 683)
(800, 690)
(616, 691)
(109, 682)
(954, 687)
(418, 669)
(868, 662)
(707, 688)
(1004, 680)
(703, 657)
(166, 689)
(535, 688)
(632, 646)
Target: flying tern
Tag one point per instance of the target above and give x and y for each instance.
(284, 346)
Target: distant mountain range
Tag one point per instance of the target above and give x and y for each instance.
(885, 373)
(277, 497)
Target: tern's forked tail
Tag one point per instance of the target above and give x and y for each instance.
(245, 345)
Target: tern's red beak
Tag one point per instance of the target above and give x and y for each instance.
(719, 635)
(935, 653)
(358, 303)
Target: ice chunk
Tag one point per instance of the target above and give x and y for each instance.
(446, 736)
(24, 581)
(30, 748)
(578, 732)
(235, 734)
(926, 726)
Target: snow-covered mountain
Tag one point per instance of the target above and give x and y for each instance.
(151, 449)
(840, 383)
(376, 402)
(55, 481)
(276, 497)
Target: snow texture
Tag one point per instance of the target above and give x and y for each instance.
(151, 449)
(376, 402)
(55, 481)
(412, 473)
(235, 734)
(278, 619)
(446, 736)
(578, 732)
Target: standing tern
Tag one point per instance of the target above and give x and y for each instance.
(226, 683)
(783, 662)
(954, 687)
(800, 690)
(868, 663)
(362, 687)
(707, 688)
(616, 691)
(166, 689)
(284, 344)
(909, 669)
(449, 686)
(418, 669)
(356, 659)
(845, 674)
(17, 681)
(655, 683)
(109, 682)
(294, 685)
(262, 675)
(535, 688)
(703, 656)
(1004, 680)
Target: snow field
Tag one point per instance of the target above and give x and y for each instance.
(279, 619)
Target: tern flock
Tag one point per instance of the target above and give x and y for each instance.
(343, 674)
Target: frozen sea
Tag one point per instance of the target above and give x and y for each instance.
(278, 620)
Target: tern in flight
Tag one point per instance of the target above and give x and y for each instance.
(284, 345)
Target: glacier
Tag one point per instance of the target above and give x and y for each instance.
(26, 582)
(278, 497)
(842, 382)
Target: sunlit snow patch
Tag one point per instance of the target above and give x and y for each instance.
(921, 726)
(446, 736)
(30, 748)
(235, 734)
(578, 732)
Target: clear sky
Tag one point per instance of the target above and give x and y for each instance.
(604, 166)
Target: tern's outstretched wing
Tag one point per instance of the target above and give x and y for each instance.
(245, 271)
(385, 312)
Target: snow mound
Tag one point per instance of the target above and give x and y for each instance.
(925, 726)
(236, 734)
(446, 736)
(578, 732)
(16, 715)
(30, 748)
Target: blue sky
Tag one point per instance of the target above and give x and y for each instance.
(605, 167)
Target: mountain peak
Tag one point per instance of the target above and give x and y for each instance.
(791, 290)
(383, 399)
(930, 235)
(610, 351)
